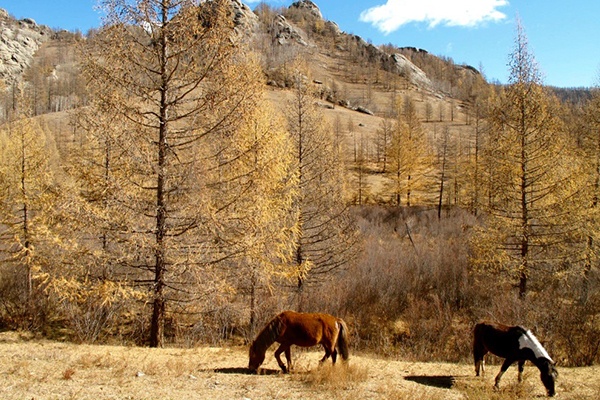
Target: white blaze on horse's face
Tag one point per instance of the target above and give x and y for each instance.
(529, 341)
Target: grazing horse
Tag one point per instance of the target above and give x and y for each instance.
(513, 343)
(301, 329)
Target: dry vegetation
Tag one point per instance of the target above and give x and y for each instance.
(410, 298)
(42, 369)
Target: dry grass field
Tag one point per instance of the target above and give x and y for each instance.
(40, 369)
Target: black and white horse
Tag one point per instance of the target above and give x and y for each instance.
(514, 344)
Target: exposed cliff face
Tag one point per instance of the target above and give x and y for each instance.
(19, 40)
(244, 19)
(284, 32)
(309, 6)
(396, 63)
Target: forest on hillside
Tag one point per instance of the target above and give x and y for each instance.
(150, 193)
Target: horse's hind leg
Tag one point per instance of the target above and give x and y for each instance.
(328, 352)
(479, 364)
(478, 357)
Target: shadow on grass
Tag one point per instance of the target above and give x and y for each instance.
(438, 381)
(247, 371)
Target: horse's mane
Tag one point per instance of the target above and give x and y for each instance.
(267, 336)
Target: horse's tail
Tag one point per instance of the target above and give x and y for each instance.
(342, 340)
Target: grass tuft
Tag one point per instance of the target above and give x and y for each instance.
(68, 374)
(342, 376)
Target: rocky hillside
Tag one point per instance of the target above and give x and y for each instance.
(19, 41)
(359, 83)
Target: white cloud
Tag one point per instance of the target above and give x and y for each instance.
(392, 15)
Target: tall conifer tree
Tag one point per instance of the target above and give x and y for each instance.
(528, 154)
(179, 90)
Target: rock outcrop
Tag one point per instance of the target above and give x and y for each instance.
(19, 40)
(284, 33)
(244, 18)
(395, 63)
(309, 6)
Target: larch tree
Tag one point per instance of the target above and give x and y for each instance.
(326, 236)
(382, 142)
(528, 220)
(590, 148)
(443, 156)
(407, 157)
(177, 85)
(479, 100)
(360, 167)
(260, 227)
(33, 242)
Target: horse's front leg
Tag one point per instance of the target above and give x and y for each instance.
(278, 352)
(507, 363)
(521, 368)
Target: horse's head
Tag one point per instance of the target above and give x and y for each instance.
(549, 374)
(256, 358)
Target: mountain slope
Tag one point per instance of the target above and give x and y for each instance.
(19, 40)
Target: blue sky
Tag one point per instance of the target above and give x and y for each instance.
(562, 34)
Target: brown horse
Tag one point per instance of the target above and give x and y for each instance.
(302, 329)
(514, 344)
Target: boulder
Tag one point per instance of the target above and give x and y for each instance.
(404, 66)
(244, 19)
(364, 110)
(285, 33)
(309, 6)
